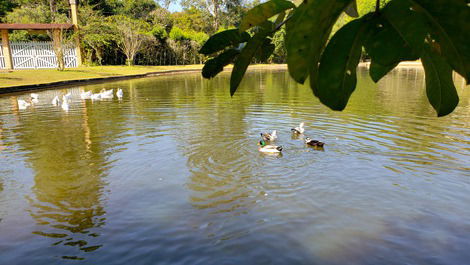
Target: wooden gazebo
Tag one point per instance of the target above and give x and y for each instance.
(55, 28)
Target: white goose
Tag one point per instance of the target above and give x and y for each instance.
(34, 98)
(55, 101)
(86, 95)
(67, 97)
(23, 104)
(107, 93)
(65, 104)
(119, 93)
(96, 96)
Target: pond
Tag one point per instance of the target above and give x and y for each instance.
(171, 174)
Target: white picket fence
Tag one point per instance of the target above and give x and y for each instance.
(2, 59)
(38, 54)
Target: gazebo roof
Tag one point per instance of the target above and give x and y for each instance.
(35, 26)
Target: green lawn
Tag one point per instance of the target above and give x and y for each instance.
(41, 76)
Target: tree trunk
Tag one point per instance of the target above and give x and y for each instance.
(57, 36)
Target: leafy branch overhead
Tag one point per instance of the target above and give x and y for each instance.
(435, 31)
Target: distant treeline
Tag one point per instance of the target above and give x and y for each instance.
(138, 31)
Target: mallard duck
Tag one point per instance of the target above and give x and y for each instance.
(265, 148)
(119, 93)
(298, 130)
(314, 143)
(269, 136)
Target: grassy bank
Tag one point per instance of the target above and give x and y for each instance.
(43, 76)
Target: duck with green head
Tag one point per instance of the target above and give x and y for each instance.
(267, 148)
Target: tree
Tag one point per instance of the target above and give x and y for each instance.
(44, 12)
(131, 35)
(6, 6)
(435, 31)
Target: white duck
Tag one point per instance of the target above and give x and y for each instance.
(55, 101)
(86, 95)
(23, 104)
(107, 93)
(96, 96)
(119, 93)
(67, 97)
(65, 105)
(34, 98)
(298, 130)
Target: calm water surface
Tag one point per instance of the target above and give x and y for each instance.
(172, 175)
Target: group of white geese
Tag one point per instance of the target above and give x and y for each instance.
(66, 99)
(267, 146)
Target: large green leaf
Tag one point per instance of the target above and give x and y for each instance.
(409, 24)
(450, 27)
(307, 32)
(440, 87)
(265, 51)
(385, 45)
(223, 39)
(215, 65)
(337, 71)
(244, 59)
(377, 71)
(262, 12)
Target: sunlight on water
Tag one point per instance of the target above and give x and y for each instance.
(171, 174)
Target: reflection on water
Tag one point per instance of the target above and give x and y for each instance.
(172, 175)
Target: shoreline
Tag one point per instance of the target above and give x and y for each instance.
(95, 80)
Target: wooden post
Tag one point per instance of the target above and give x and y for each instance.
(6, 50)
(73, 9)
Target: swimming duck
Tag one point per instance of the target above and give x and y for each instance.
(96, 96)
(65, 104)
(269, 148)
(107, 93)
(67, 97)
(23, 104)
(119, 93)
(298, 130)
(314, 143)
(55, 101)
(269, 136)
(86, 95)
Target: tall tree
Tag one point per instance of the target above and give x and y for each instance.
(131, 35)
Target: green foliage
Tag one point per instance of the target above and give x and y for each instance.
(307, 33)
(440, 87)
(263, 12)
(338, 64)
(177, 34)
(435, 31)
(5, 6)
(244, 59)
(223, 39)
(216, 65)
(137, 9)
(159, 32)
